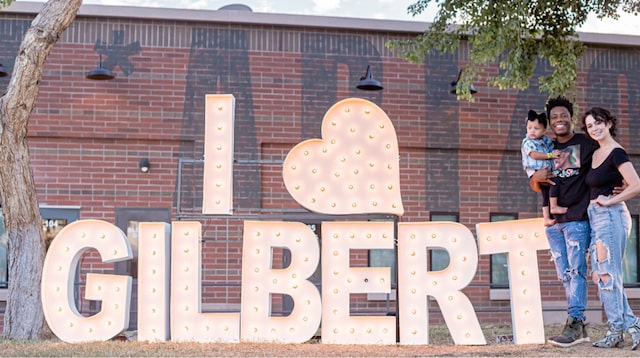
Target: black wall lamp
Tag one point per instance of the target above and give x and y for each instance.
(3, 72)
(367, 83)
(454, 85)
(144, 165)
(100, 73)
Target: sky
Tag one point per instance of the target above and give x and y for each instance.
(376, 9)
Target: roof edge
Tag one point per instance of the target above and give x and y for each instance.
(230, 16)
(257, 18)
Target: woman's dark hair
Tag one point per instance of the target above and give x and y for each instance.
(540, 117)
(559, 102)
(600, 114)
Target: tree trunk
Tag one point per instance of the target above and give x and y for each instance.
(24, 317)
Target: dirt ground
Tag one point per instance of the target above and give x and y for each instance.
(442, 346)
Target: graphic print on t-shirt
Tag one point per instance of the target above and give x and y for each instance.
(569, 162)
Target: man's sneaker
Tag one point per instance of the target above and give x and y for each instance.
(634, 332)
(574, 332)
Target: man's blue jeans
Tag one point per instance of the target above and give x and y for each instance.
(569, 243)
(611, 226)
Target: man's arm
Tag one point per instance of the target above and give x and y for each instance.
(540, 176)
(619, 189)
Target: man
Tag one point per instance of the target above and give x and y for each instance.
(569, 234)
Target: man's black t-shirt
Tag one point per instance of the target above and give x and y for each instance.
(570, 171)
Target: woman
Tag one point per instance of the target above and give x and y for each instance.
(610, 225)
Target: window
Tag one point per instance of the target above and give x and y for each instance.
(3, 255)
(499, 268)
(385, 257)
(630, 261)
(53, 220)
(51, 228)
(439, 258)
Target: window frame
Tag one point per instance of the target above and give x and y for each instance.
(635, 231)
(5, 283)
(499, 285)
(437, 252)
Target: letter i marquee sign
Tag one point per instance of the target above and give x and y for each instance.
(352, 169)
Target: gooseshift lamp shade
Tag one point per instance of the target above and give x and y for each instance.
(454, 86)
(100, 73)
(144, 165)
(367, 83)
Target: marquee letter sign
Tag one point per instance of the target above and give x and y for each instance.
(352, 169)
(154, 272)
(259, 281)
(57, 285)
(188, 323)
(217, 188)
(520, 239)
(339, 281)
(416, 283)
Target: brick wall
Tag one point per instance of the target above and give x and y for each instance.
(87, 137)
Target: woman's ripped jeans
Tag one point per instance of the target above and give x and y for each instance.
(610, 228)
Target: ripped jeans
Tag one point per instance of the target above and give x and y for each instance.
(610, 228)
(569, 242)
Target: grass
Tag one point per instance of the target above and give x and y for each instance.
(441, 344)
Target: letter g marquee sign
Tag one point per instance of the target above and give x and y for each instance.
(352, 169)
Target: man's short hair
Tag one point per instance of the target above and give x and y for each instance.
(559, 101)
